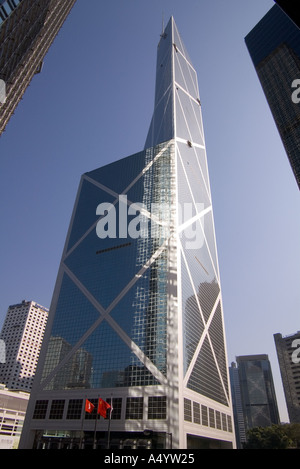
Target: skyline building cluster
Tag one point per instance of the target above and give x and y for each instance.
(253, 393)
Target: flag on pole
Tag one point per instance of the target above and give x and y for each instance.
(89, 407)
(102, 407)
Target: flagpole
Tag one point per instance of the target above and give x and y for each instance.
(82, 422)
(108, 432)
(95, 429)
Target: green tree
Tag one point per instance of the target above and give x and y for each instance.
(292, 430)
(274, 437)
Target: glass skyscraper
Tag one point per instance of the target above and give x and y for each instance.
(27, 30)
(274, 46)
(257, 390)
(136, 316)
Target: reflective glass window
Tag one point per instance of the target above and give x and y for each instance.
(57, 409)
(40, 409)
(157, 407)
(74, 409)
(134, 408)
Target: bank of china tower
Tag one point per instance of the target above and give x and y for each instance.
(136, 316)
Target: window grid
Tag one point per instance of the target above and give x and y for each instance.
(157, 407)
(187, 410)
(116, 403)
(204, 414)
(40, 409)
(134, 408)
(196, 410)
(74, 409)
(57, 409)
(212, 422)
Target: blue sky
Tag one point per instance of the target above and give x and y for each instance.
(92, 105)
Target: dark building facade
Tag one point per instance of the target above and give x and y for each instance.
(291, 8)
(288, 353)
(257, 391)
(274, 46)
(27, 30)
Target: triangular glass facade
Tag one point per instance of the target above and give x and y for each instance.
(115, 283)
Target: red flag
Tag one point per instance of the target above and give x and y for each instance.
(102, 407)
(89, 406)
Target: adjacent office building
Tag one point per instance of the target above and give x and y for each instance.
(27, 30)
(274, 46)
(13, 405)
(257, 391)
(288, 352)
(22, 335)
(136, 316)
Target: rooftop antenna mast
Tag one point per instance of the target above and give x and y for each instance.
(163, 26)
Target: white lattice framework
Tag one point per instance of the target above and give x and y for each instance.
(195, 373)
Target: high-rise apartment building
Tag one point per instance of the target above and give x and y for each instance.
(288, 353)
(274, 46)
(257, 390)
(27, 30)
(136, 316)
(22, 333)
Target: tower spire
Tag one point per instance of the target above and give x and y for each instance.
(176, 82)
